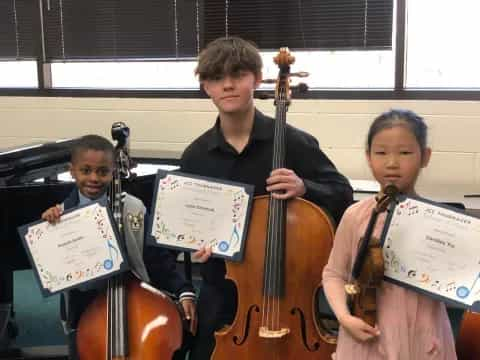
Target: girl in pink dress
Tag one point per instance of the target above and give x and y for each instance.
(410, 326)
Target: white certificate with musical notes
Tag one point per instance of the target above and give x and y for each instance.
(80, 248)
(434, 249)
(192, 211)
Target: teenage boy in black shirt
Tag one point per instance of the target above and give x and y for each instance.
(239, 147)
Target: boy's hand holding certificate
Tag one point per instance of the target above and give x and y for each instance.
(81, 247)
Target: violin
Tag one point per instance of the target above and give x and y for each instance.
(369, 267)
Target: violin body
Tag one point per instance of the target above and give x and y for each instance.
(467, 344)
(154, 326)
(370, 279)
(297, 335)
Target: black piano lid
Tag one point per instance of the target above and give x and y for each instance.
(26, 164)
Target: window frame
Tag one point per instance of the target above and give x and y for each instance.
(399, 92)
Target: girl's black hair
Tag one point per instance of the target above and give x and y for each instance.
(395, 117)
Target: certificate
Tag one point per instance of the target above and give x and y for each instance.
(435, 249)
(192, 211)
(80, 248)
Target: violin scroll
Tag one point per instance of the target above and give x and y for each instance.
(385, 197)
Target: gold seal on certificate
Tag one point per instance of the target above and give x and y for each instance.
(189, 212)
(434, 249)
(80, 248)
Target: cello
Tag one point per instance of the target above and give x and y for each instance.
(130, 320)
(467, 344)
(287, 246)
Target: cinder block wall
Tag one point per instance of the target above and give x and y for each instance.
(163, 127)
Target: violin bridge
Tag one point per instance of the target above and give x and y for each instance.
(263, 332)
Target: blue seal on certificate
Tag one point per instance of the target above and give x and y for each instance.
(108, 264)
(223, 246)
(462, 292)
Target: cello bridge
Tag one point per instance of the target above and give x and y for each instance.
(264, 332)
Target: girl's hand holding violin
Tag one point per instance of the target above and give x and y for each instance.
(358, 328)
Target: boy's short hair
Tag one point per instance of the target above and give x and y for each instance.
(91, 142)
(228, 56)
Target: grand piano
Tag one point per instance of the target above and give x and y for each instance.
(30, 182)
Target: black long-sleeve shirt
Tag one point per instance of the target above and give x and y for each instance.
(210, 155)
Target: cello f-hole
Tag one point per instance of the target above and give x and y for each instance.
(236, 339)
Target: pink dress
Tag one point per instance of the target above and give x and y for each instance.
(412, 326)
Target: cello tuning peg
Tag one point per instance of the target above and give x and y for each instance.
(269, 81)
(300, 88)
(265, 96)
(300, 74)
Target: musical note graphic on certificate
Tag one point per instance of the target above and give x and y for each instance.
(463, 291)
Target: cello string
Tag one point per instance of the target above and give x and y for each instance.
(275, 235)
(270, 274)
(108, 330)
(277, 220)
(277, 216)
(280, 211)
(274, 215)
(271, 237)
(266, 278)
